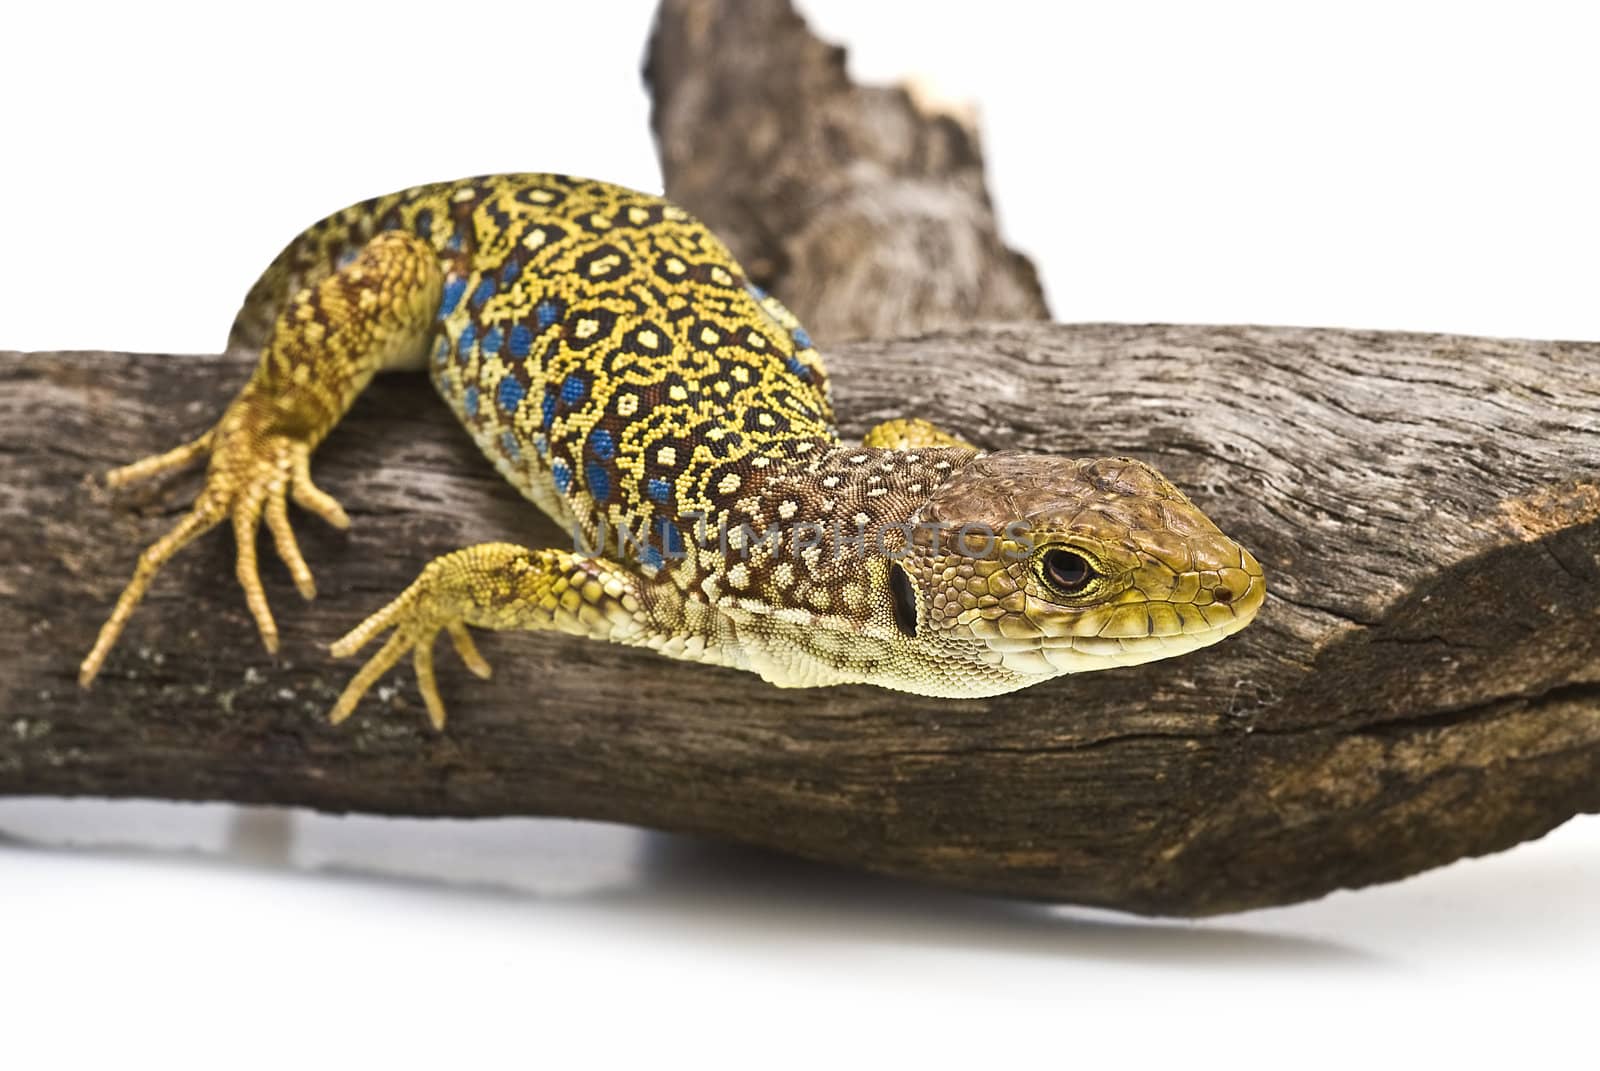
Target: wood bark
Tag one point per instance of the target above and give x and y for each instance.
(1423, 683)
(865, 208)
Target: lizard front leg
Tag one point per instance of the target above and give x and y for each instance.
(911, 434)
(375, 312)
(497, 586)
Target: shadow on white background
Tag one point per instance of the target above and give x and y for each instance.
(1535, 904)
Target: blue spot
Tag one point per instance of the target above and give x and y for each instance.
(658, 489)
(484, 292)
(469, 401)
(454, 244)
(510, 394)
(441, 350)
(573, 388)
(598, 479)
(541, 444)
(561, 475)
(547, 312)
(347, 257)
(802, 339)
(798, 369)
(425, 224)
(452, 296)
(650, 556)
(755, 291)
(509, 273)
(469, 335)
(508, 443)
(601, 443)
(549, 415)
(671, 538)
(491, 342)
(521, 341)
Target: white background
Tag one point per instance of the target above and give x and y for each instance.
(1364, 165)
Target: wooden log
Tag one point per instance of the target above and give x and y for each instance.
(1423, 683)
(865, 208)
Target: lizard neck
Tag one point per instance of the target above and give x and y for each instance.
(808, 526)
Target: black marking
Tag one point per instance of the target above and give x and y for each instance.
(672, 268)
(648, 339)
(903, 594)
(708, 336)
(603, 263)
(546, 199)
(499, 217)
(585, 327)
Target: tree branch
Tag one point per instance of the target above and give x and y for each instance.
(864, 208)
(1423, 683)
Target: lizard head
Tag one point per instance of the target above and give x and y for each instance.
(1024, 567)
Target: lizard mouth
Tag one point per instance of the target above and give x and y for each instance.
(1196, 626)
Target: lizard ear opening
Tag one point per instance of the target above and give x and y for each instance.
(903, 594)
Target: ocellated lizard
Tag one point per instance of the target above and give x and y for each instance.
(611, 358)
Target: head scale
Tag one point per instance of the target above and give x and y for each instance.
(1024, 567)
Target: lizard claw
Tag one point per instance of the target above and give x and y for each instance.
(416, 619)
(252, 474)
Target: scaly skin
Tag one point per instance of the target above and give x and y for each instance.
(608, 355)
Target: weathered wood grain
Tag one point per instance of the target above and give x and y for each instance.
(864, 207)
(1423, 683)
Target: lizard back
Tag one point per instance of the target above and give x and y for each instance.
(603, 348)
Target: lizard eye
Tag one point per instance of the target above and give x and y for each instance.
(1067, 572)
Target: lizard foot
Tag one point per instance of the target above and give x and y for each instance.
(500, 586)
(255, 468)
(911, 434)
(416, 616)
